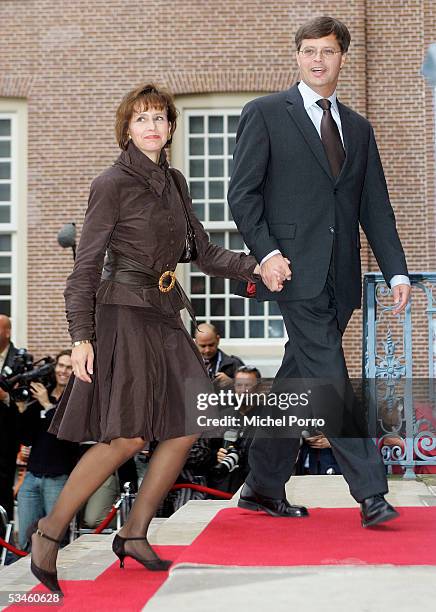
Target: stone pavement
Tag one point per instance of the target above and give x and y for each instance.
(321, 589)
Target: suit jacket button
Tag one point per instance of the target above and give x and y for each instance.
(331, 229)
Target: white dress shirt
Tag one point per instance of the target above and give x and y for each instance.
(315, 112)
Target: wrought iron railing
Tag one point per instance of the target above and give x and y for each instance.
(399, 368)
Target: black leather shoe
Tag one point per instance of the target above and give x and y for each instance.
(250, 500)
(375, 510)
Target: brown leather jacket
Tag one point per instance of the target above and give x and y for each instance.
(135, 209)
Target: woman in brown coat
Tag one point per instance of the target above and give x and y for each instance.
(131, 352)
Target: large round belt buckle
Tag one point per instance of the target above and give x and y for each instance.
(164, 275)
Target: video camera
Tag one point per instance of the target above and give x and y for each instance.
(16, 380)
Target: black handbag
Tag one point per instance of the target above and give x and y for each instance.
(190, 251)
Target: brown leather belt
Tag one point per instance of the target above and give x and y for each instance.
(122, 269)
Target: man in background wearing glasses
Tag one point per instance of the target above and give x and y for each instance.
(306, 173)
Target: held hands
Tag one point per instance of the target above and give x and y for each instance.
(401, 295)
(82, 359)
(275, 271)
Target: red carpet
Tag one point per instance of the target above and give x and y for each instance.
(114, 589)
(329, 536)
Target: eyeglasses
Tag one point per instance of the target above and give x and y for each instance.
(326, 52)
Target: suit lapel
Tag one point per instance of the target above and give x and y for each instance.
(347, 127)
(295, 108)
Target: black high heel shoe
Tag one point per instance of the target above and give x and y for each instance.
(48, 579)
(155, 565)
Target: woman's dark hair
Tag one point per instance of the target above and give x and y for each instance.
(142, 98)
(324, 26)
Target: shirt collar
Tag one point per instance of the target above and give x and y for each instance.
(310, 97)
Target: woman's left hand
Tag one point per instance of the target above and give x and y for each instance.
(40, 393)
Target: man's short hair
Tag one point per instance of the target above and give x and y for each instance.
(247, 369)
(324, 26)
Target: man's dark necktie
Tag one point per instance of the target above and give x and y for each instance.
(331, 138)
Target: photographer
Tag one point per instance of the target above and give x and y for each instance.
(9, 445)
(220, 366)
(51, 460)
(232, 458)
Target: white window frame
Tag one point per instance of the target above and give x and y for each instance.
(16, 110)
(266, 352)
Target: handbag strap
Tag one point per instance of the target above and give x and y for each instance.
(179, 189)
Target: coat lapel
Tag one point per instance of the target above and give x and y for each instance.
(347, 127)
(295, 108)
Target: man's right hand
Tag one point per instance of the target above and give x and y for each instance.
(275, 271)
(82, 359)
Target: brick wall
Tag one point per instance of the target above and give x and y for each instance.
(73, 61)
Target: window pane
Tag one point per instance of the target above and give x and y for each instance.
(230, 164)
(5, 148)
(220, 326)
(197, 190)
(217, 285)
(236, 329)
(274, 308)
(233, 123)
(216, 212)
(5, 193)
(5, 214)
(256, 329)
(218, 238)
(196, 167)
(231, 145)
(275, 329)
(196, 125)
(5, 307)
(198, 284)
(199, 210)
(5, 242)
(216, 125)
(216, 146)
(216, 167)
(217, 307)
(199, 306)
(5, 170)
(5, 286)
(236, 242)
(216, 190)
(196, 146)
(5, 265)
(5, 127)
(256, 308)
(237, 307)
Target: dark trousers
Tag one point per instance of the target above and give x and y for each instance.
(314, 350)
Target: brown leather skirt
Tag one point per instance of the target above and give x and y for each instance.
(143, 363)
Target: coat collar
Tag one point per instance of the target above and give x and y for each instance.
(137, 164)
(295, 108)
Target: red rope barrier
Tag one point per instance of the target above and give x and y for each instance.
(17, 551)
(197, 487)
(112, 512)
(107, 520)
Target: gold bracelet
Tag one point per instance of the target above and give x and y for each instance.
(79, 342)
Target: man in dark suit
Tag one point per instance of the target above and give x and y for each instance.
(306, 173)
